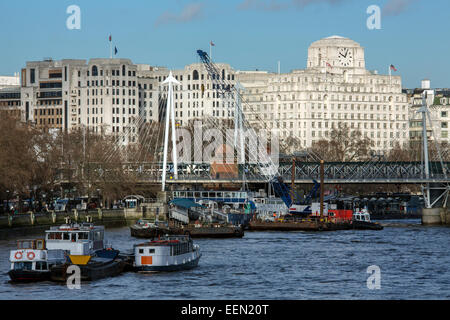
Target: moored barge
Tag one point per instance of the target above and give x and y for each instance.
(168, 253)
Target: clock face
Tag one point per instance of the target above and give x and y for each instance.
(345, 56)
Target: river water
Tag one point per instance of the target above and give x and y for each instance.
(414, 263)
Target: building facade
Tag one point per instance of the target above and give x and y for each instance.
(102, 95)
(335, 89)
(438, 101)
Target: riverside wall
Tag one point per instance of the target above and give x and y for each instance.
(30, 223)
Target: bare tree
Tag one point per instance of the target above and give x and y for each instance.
(344, 146)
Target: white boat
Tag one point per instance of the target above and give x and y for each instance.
(76, 239)
(31, 261)
(169, 253)
(361, 220)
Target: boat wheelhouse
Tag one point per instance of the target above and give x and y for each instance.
(77, 239)
(169, 253)
(32, 262)
(361, 215)
(361, 221)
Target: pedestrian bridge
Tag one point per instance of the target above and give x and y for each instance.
(335, 173)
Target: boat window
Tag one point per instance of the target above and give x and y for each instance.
(66, 236)
(54, 236)
(83, 236)
(41, 265)
(141, 250)
(40, 244)
(23, 266)
(25, 245)
(98, 235)
(151, 250)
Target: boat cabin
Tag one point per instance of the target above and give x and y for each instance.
(361, 216)
(162, 251)
(78, 239)
(29, 256)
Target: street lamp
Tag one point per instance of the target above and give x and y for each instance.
(7, 201)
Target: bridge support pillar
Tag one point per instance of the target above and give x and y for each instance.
(431, 216)
(445, 216)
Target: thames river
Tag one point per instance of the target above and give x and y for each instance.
(414, 263)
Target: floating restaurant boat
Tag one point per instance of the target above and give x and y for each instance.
(32, 261)
(169, 253)
(85, 247)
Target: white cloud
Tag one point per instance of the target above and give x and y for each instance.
(396, 7)
(190, 12)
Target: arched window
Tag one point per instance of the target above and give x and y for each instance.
(195, 75)
(123, 71)
(94, 71)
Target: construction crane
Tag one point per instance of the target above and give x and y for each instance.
(227, 89)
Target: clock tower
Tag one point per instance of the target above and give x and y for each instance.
(342, 54)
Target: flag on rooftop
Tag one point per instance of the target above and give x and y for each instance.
(393, 68)
(212, 44)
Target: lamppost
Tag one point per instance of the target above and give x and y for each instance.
(7, 201)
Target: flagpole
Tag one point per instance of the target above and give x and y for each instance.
(210, 54)
(110, 47)
(390, 77)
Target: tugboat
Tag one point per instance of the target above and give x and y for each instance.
(168, 253)
(31, 262)
(361, 221)
(85, 247)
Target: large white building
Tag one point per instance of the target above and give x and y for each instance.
(102, 95)
(117, 96)
(334, 89)
(438, 101)
(9, 81)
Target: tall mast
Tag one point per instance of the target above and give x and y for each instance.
(170, 113)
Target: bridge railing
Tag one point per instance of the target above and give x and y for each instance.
(345, 172)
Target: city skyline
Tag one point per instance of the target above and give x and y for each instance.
(179, 28)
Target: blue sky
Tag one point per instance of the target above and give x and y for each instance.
(249, 34)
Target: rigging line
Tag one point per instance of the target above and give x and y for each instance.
(124, 134)
(151, 128)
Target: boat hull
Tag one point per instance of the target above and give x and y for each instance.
(179, 267)
(28, 276)
(91, 271)
(211, 232)
(147, 233)
(364, 225)
(202, 232)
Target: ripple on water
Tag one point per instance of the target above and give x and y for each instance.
(275, 265)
